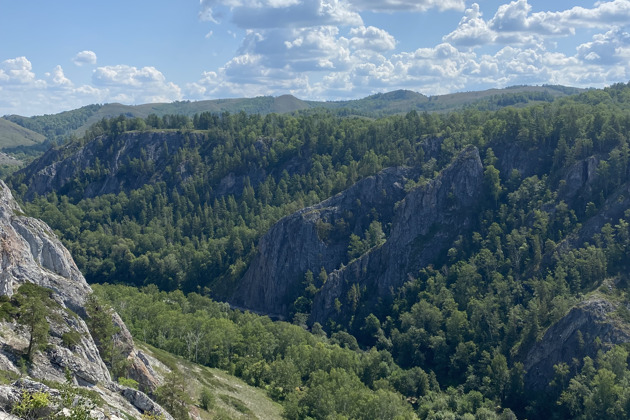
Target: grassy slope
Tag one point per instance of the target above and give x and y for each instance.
(234, 399)
(12, 135)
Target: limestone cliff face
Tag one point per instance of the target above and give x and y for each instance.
(313, 238)
(58, 168)
(31, 253)
(573, 337)
(611, 211)
(112, 164)
(424, 223)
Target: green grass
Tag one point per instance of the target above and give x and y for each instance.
(7, 377)
(12, 135)
(236, 403)
(235, 399)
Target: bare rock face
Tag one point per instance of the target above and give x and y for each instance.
(610, 211)
(513, 155)
(424, 222)
(579, 180)
(573, 337)
(119, 401)
(58, 167)
(315, 237)
(31, 253)
(140, 369)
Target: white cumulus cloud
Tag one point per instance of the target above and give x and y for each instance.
(130, 84)
(609, 48)
(407, 5)
(302, 14)
(294, 50)
(279, 13)
(472, 30)
(371, 38)
(127, 75)
(85, 57)
(604, 14)
(17, 71)
(514, 23)
(57, 78)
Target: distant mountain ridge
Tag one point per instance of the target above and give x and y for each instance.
(76, 122)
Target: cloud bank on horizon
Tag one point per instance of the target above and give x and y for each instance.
(338, 49)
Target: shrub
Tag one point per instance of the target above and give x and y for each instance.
(206, 399)
(71, 338)
(128, 382)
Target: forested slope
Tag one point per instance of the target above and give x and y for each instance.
(183, 203)
(57, 127)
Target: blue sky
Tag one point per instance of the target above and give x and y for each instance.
(63, 54)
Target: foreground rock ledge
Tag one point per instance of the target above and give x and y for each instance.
(30, 252)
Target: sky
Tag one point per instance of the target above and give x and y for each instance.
(64, 54)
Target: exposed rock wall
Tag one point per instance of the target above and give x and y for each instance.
(59, 166)
(424, 223)
(121, 401)
(107, 160)
(31, 253)
(315, 237)
(573, 338)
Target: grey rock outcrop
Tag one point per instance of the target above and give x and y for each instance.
(513, 155)
(120, 401)
(579, 180)
(139, 369)
(573, 338)
(315, 237)
(129, 161)
(611, 211)
(424, 223)
(58, 167)
(30, 252)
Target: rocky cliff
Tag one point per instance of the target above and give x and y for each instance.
(31, 253)
(112, 164)
(572, 338)
(425, 224)
(422, 224)
(316, 237)
(109, 161)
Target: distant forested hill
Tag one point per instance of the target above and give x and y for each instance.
(55, 127)
(486, 247)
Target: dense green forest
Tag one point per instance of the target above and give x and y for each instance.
(58, 128)
(452, 341)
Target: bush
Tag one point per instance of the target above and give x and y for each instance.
(31, 405)
(206, 399)
(128, 382)
(71, 338)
